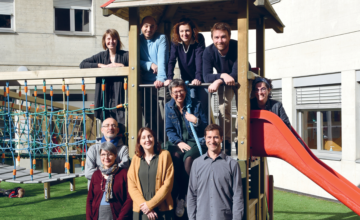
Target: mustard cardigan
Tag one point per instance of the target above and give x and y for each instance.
(163, 186)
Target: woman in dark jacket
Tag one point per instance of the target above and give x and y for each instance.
(113, 56)
(187, 47)
(261, 88)
(181, 144)
(108, 196)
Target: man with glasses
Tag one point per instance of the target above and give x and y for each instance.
(110, 131)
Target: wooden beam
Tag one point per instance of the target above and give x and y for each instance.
(260, 45)
(16, 107)
(245, 87)
(40, 101)
(243, 97)
(60, 74)
(46, 185)
(134, 95)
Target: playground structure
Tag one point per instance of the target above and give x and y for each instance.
(242, 15)
(276, 141)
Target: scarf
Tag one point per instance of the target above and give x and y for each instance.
(113, 141)
(109, 182)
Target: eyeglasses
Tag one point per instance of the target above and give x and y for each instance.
(178, 92)
(111, 126)
(263, 89)
(107, 155)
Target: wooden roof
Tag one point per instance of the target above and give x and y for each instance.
(204, 12)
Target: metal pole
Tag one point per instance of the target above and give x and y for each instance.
(164, 116)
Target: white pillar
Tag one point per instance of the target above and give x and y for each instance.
(289, 99)
(349, 116)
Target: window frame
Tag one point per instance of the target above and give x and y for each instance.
(12, 18)
(319, 152)
(72, 22)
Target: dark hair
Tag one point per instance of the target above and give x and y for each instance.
(149, 16)
(139, 150)
(176, 83)
(108, 146)
(212, 127)
(114, 34)
(185, 21)
(267, 82)
(221, 26)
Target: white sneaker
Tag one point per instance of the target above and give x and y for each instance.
(180, 204)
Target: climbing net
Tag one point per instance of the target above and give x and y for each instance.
(42, 130)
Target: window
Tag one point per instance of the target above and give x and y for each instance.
(319, 117)
(277, 94)
(6, 15)
(72, 17)
(322, 129)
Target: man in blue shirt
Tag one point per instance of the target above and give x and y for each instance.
(222, 55)
(154, 56)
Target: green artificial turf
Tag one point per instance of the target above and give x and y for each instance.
(293, 206)
(65, 204)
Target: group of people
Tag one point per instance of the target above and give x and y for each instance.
(145, 189)
(171, 175)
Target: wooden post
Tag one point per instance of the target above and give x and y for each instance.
(260, 45)
(46, 185)
(243, 96)
(271, 197)
(263, 172)
(134, 79)
(72, 170)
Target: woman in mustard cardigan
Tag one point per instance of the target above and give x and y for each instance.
(150, 179)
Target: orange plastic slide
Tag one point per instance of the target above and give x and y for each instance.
(270, 137)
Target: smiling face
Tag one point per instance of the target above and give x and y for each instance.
(213, 141)
(110, 42)
(185, 33)
(178, 94)
(221, 39)
(147, 141)
(261, 92)
(148, 28)
(109, 128)
(107, 158)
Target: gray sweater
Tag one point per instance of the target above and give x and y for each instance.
(93, 161)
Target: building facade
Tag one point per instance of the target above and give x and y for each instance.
(315, 64)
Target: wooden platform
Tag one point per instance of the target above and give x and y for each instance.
(23, 175)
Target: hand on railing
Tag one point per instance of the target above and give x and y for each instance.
(158, 84)
(196, 82)
(167, 82)
(228, 79)
(215, 85)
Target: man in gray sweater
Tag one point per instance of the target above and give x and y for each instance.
(110, 130)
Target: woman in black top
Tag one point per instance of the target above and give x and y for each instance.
(187, 47)
(261, 89)
(113, 56)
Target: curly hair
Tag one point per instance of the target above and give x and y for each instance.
(114, 34)
(139, 150)
(185, 21)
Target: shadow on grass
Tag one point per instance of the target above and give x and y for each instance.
(77, 193)
(71, 217)
(347, 216)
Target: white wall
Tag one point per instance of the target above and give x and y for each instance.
(35, 45)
